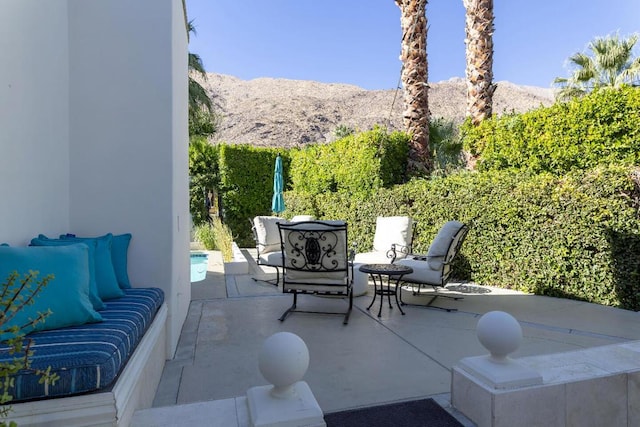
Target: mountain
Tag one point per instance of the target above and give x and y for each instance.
(286, 113)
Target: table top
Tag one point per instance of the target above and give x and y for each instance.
(389, 269)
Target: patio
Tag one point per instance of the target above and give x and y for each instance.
(372, 360)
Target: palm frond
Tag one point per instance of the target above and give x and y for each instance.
(191, 28)
(195, 64)
(609, 63)
(569, 92)
(198, 96)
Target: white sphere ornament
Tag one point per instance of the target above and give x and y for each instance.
(500, 333)
(283, 361)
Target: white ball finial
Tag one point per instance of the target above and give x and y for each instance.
(500, 333)
(283, 361)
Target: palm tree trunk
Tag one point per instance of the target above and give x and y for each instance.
(479, 44)
(415, 117)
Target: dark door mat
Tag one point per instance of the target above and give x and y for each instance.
(416, 413)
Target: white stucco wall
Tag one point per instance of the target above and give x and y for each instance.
(180, 156)
(93, 131)
(127, 174)
(34, 119)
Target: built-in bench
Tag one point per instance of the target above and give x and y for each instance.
(88, 357)
(107, 370)
(103, 338)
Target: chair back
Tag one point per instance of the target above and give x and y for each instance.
(265, 233)
(454, 246)
(315, 256)
(393, 230)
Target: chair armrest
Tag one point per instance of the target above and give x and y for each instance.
(397, 249)
(418, 257)
(351, 254)
(425, 258)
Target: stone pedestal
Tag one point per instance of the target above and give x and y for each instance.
(505, 375)
(299, 409)
(288, 402)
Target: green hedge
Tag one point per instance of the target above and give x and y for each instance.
(601, 128)
(246, 186)
(203, 172)
(356, 164)
(576, 236)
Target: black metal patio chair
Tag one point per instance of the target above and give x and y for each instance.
(316, 260)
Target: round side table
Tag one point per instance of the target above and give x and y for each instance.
(393, 272)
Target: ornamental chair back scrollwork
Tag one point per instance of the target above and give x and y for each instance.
(316, 261)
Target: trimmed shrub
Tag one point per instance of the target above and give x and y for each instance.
(601, 128)
(203, 173)
(576, 236)
(356, 164)
(246, 186)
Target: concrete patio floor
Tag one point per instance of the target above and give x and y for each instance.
(371, 360)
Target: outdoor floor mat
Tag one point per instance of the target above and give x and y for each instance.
(416, 413)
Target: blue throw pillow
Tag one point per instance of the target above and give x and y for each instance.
(119, 254)
(67, 295)
(94, 295)
(108, 287)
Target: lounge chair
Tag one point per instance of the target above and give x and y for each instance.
(267, 238)
(434, 268)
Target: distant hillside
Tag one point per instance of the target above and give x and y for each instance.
(286, 113)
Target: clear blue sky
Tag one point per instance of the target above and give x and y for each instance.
(358, 41)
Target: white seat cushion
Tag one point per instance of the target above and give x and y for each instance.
(267, 233)
(271, 258)
(422, 272)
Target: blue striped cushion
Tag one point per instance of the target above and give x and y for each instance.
(88, 357)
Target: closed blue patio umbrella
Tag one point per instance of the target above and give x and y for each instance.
(277, 202)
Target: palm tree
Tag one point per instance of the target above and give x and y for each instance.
(202, 120)
(479, 53)
(413, 20)
(611, 64)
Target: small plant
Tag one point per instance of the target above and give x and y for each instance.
(15, 294)
(342, 131)
(216, 236)
(203, 233)
(224, 239)
(446, 147)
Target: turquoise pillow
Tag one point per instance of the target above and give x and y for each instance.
(119, 254)
(108, 287)
(67, 295)
(94, 295)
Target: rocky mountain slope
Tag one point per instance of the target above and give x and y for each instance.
(286, 113)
